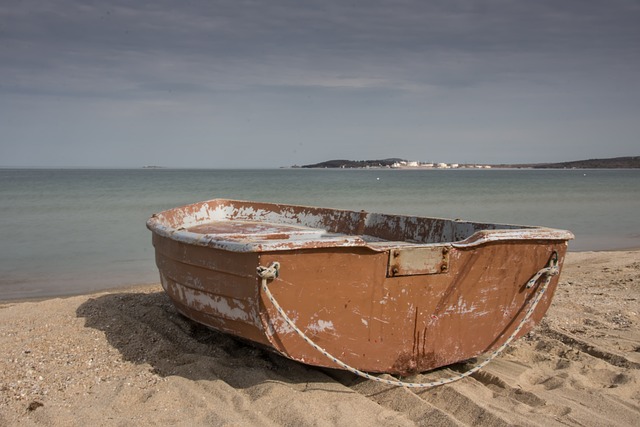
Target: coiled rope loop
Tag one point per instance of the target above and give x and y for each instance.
(272, 271)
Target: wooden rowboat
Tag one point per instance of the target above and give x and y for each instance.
(382, 293)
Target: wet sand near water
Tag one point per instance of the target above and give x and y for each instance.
(127, 357)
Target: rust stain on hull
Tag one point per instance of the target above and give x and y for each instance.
(384, 293)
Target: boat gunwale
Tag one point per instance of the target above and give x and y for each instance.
(230, 242)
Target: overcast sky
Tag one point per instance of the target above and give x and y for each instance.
(228, 84)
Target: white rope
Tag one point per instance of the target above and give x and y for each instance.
(271, 272)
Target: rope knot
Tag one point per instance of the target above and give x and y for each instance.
(550, 270)
(269, 273)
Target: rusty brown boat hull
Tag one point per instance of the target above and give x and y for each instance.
(383, 293)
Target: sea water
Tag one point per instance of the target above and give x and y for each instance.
(72, 231)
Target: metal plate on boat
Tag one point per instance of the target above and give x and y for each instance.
(410, 261)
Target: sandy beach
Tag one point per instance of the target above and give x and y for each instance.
(128, 358)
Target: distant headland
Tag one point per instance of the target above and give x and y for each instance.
(611, 163)
(396, 163)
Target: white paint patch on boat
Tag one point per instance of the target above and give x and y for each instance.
(279, 326)
(321, 326)
(201, 301)
(462, 307)
(365, 322)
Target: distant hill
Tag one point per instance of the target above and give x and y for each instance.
(353, 163)
(613, 163)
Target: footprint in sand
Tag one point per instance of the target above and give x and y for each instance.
(554, 382)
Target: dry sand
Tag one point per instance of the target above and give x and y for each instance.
(127, 358)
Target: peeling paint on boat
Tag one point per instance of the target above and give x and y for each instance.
(278, 326)
(321, 326)
(412, 229)
(200, 300)
(462, 307)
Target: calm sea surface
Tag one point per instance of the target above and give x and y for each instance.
(74, 231)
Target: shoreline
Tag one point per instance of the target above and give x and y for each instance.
(109, 290)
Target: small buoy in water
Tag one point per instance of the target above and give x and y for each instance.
(585, 174)
(378, 178)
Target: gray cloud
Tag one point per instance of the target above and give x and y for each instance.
(459, 73)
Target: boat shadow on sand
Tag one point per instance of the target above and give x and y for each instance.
(147, 329)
